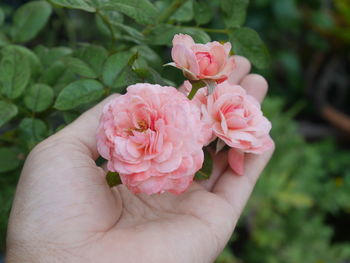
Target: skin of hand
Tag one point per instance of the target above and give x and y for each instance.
(64, 211)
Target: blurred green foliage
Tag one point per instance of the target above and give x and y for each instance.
(300, 209)
(303, 185)
(59, 57)
(303, 36)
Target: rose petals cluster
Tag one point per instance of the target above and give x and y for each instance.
(236, 118)
(152, 136)
(202, 61)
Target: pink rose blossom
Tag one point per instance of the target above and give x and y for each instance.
(237, 119)
(209, 61)
(152, 137)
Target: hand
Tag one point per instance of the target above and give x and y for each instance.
(64, 210)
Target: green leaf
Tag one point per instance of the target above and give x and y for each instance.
(110, 15)
(35, 64)
(207, 168)
(199, 35)
(2, 17)
(49, 56)
(114, 65)
(58, 52)
(296, 199)
(246, 42)
(115, 19)
(203, 12)
(29, 20)
(63, 80)
(127, 77)
(78, 93)
(94, 56)
(51, 75)
(148, 74)
(149, 55)
(14, 73)
(8, 159)
(184, 13)
(4, 39)
(143, 11)
(286, 9)
(155, 78)
(32, 131)
(39, 97)
(323, 20)
(113, 179)
(7, 112)
(164, 34)
(85, 5)
(79, 67)
(235, 12)
(70, 116)
(129, 30)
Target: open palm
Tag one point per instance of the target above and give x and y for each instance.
(65, 212)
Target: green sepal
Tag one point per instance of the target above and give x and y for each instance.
(113, 179)
(207, 168)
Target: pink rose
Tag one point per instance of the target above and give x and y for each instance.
(237, 119)
(152, 137)
(209, 61)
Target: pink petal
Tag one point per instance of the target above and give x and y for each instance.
(236, 161)
(266, 145)
(169, 165)
(132, 149)
(219, 55)
(165, 154)
(223, 123)
(182, 39)
(128, 168)
(228, 68)
(235, 121)
(227, 47)
(153, 185)
(180, 185)
(200, 48)
(185, 59)
(219, 133)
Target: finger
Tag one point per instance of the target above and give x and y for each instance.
(255, 85)
(219, 166)
(242, 68)
(237, 189)
(83, 130)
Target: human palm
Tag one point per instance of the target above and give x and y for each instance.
(65, 212)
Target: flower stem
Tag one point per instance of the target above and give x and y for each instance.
(195, 87)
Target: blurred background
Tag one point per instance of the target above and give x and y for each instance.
(300, 209)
